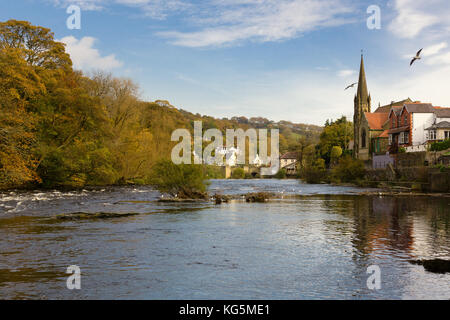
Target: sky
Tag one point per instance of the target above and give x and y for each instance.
(279, 59)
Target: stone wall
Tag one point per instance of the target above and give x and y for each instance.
(415, 159)
(427, 179)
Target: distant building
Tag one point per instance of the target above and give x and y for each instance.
(288, 161)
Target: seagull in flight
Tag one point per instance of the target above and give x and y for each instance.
(417, 57)
(351, 86)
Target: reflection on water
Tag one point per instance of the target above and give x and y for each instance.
(314, 246)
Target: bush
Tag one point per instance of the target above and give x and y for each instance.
(214, 172)
(281, 174)
(238, 173)
(349, 170)
(314, 174)
(440, 146)
(184, 180)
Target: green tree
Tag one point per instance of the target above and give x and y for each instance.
(337, 133)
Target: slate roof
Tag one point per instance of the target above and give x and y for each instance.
(440, 125)
(420, 108)
(442, 112)
(387, 108)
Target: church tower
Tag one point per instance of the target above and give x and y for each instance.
(362, 104)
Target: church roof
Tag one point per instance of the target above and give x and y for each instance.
(363, 93)
(376, 120)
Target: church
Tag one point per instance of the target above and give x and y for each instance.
(370, 128)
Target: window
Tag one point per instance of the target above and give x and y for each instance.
(402, 138)
(390, 139)
(432, 135)
(406, 120)
(363, 138)
(406, 137)
(447, 135)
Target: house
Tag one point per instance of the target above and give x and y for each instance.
(416, 124)
(440, 130)
(408, 124)
(288, 161)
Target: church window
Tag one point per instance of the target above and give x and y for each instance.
(363, 138)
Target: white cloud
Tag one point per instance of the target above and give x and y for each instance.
(346, 73)
(157, 9)
(88, 5)
(414, 17)
(430, 51)
(85, 57)
(230, 21)
(440, 59)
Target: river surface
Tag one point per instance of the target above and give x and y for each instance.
(313, 242)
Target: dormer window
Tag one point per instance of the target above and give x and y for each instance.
(406, 120)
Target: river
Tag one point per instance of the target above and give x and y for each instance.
(312, 242)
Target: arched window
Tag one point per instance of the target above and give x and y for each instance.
(363, 138)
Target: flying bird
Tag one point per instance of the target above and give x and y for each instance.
(417, 57)
(351, 86)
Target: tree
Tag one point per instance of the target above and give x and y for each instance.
(336, 153)
(337, 133)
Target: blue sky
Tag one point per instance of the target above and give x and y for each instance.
(283, 60)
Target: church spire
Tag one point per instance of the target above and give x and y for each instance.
(363, 93)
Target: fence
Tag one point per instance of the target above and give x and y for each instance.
(418, 148)
(382, 161)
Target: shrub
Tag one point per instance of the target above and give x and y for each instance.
(349, 170)
(184, 180)
(281, 174)
(440, 146)
(238, 173)
(315, 173)
(214, 172)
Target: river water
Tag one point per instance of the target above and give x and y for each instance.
(313, 242)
